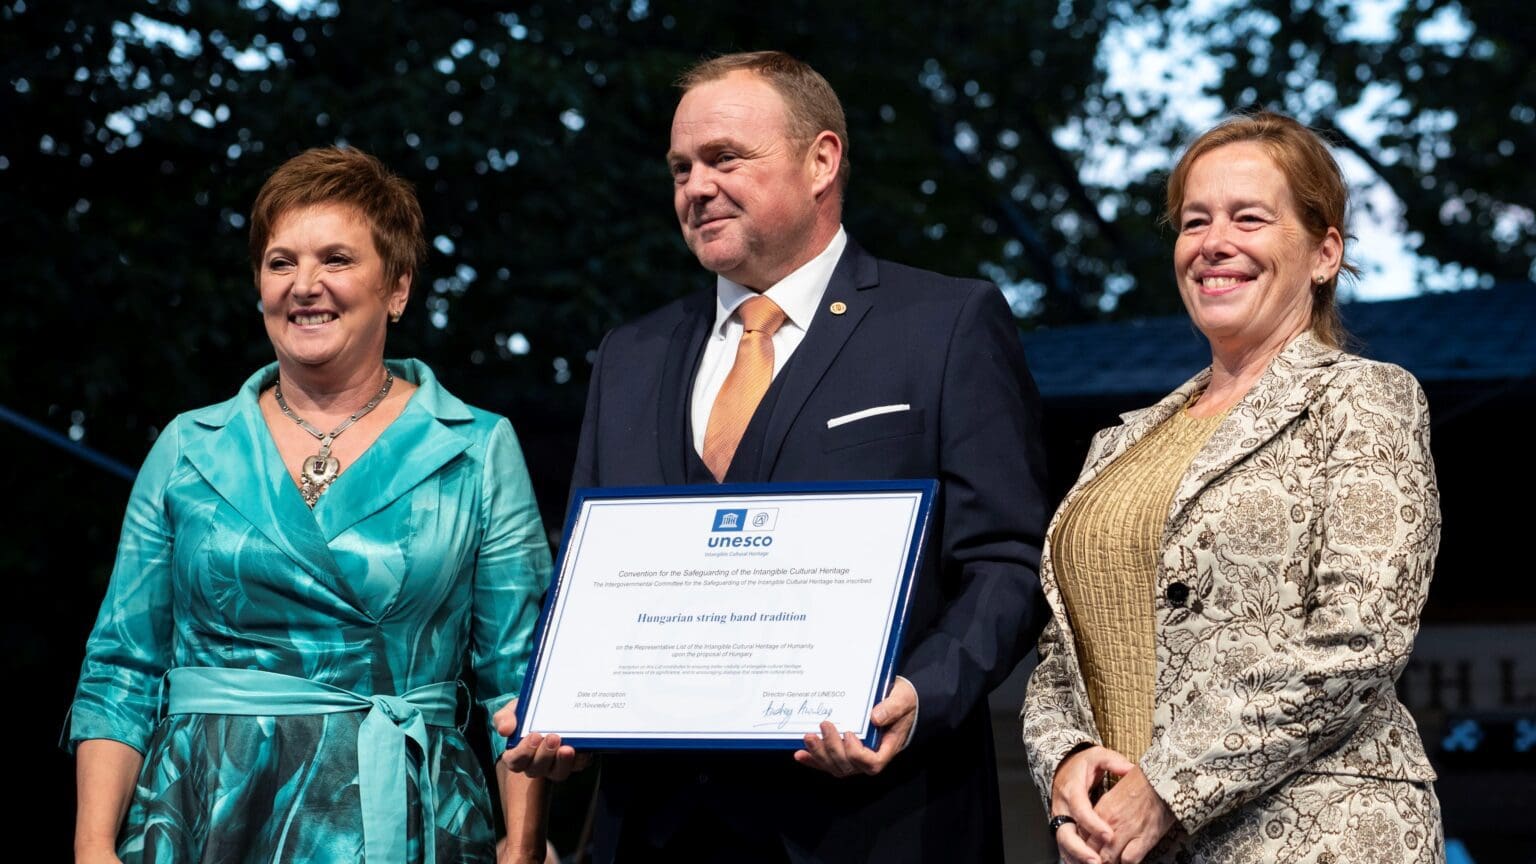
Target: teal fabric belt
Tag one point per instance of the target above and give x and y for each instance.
(392, 724)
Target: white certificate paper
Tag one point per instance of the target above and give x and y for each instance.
(725, 617)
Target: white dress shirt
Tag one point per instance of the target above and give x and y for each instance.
(798, 294)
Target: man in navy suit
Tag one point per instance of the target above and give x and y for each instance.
(864, 370)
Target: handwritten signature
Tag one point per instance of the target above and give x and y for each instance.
(778, 714)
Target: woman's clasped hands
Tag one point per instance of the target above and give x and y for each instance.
(1125, 824)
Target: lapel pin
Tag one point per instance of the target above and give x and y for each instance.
(838, 308)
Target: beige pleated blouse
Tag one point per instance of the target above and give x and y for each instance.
(1106, 549)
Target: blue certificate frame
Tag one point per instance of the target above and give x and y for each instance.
(591, 680)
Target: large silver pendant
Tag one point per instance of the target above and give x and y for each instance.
(317, 473)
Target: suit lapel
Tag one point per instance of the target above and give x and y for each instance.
(673, 398)
(234, 452)
(855, 274)
(1293, 381)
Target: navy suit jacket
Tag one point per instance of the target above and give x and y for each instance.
(949, 349)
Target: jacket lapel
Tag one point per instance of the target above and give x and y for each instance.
(1277, 399)
(419, 442)
(855, 274)
(1293, 381)
(679, 366)
(1134, 425)
(234, 452)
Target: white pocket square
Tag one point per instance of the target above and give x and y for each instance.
(865, 414)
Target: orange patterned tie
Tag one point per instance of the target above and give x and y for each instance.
(745, 386)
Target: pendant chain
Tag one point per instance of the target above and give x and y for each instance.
(320, 470)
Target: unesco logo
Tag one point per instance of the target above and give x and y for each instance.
(755, 523)
(750, 521)
(729, 520)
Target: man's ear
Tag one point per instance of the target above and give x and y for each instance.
(825, 160)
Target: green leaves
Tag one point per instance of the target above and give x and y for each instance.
(1002, 139)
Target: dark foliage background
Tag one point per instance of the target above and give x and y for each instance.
(134, 134)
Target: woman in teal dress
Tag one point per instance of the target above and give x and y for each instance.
(304, 571)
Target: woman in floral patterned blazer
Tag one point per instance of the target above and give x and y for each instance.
(1236, 578)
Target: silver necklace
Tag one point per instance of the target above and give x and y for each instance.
(319, 471)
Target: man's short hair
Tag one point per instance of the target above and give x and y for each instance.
(812, 105)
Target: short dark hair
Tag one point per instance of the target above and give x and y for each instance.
(812, 104)
(345, 175)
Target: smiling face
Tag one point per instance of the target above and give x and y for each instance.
(752, 202)
(323, 291)
(1244, 261)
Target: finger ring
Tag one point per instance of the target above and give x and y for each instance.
(1057, 821)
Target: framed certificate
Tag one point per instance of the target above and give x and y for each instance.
(725, 617)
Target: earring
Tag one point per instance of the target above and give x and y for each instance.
(394, 317)
(1320, 278)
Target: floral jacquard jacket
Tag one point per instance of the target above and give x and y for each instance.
(1296, 559)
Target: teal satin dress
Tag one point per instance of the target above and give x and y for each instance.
(425, 554)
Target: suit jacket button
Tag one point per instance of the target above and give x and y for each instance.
(1177, 593)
